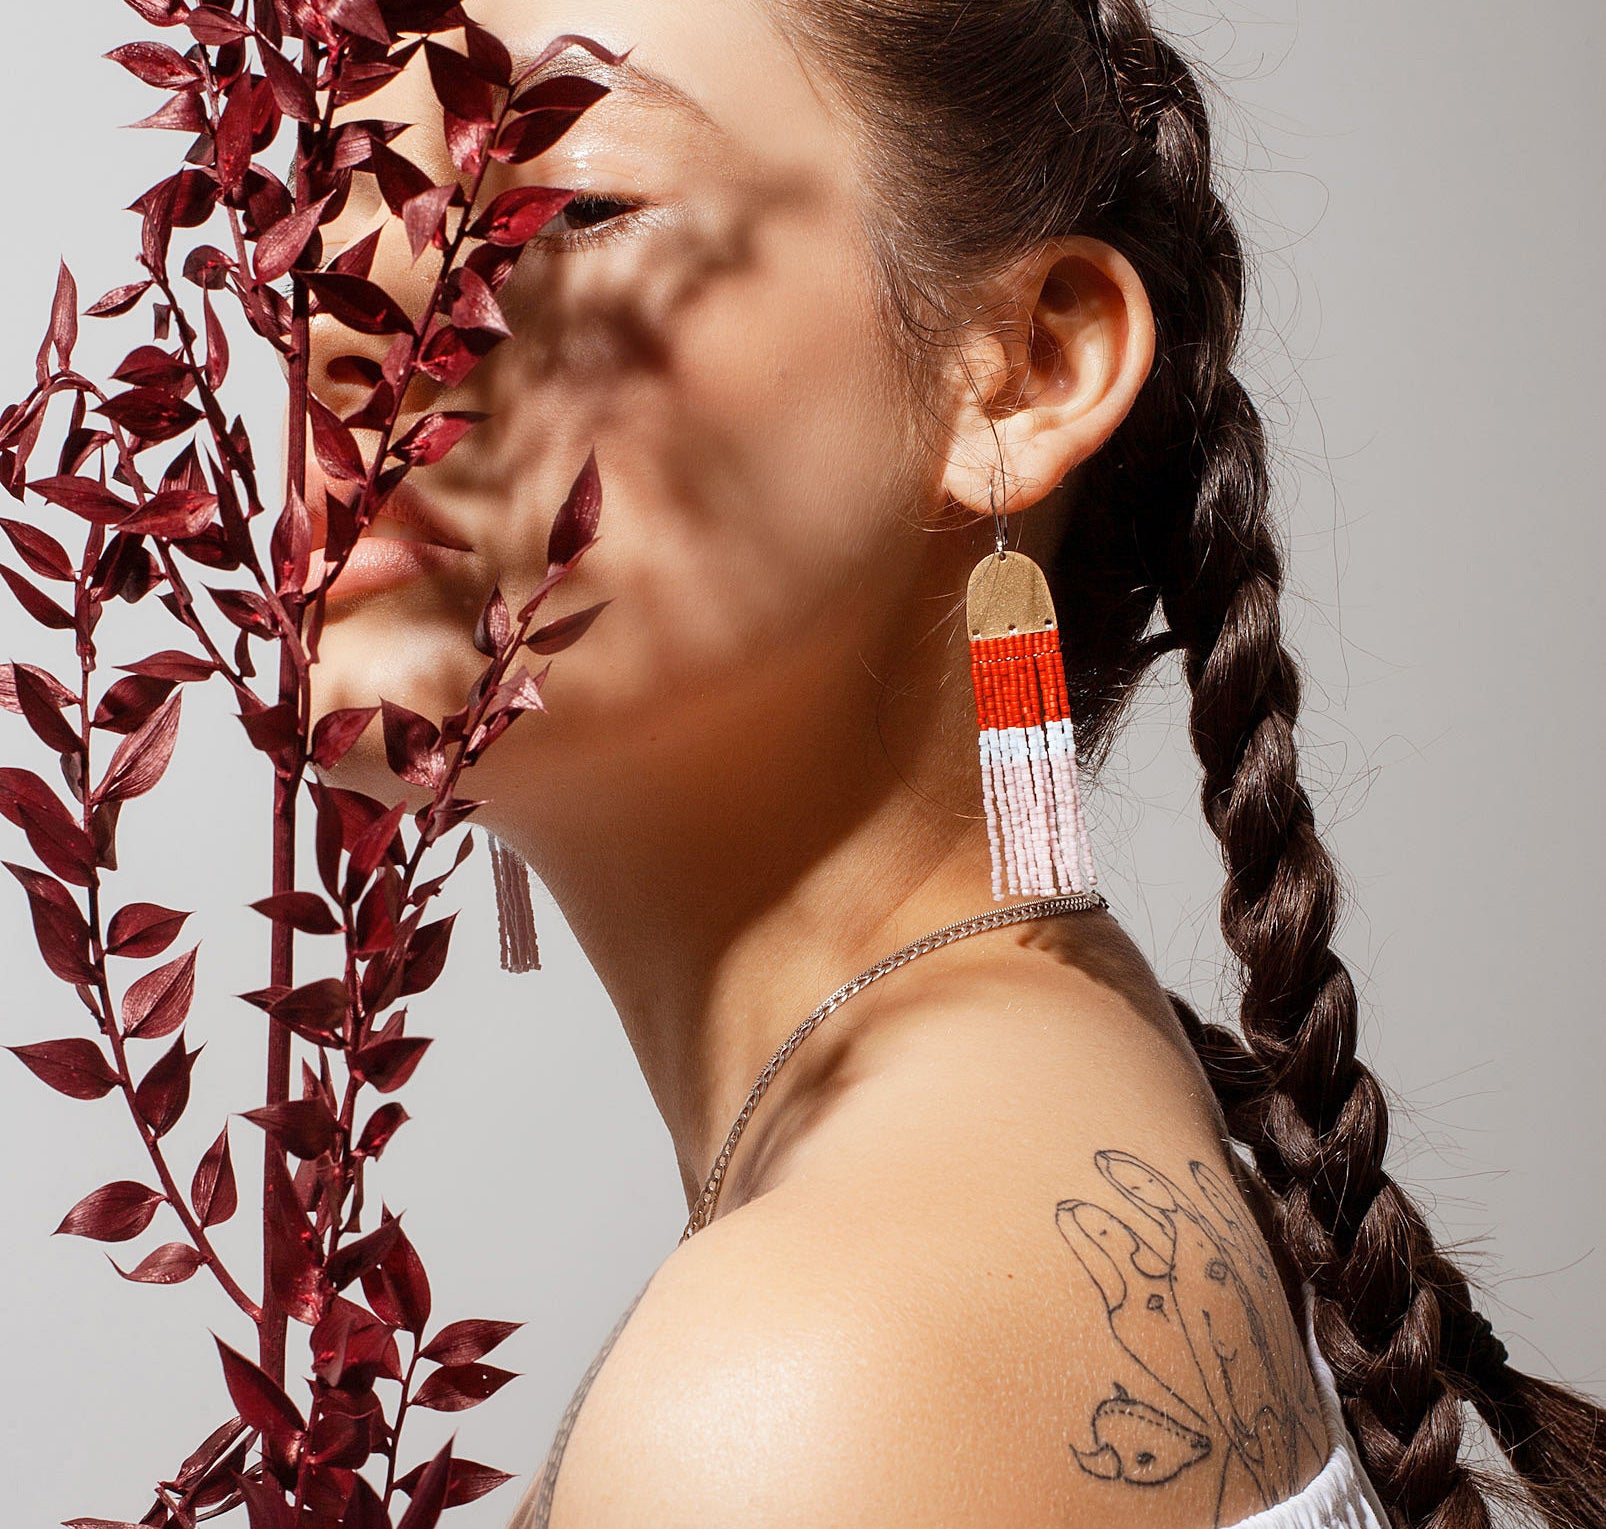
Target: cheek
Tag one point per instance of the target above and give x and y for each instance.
(756, 462)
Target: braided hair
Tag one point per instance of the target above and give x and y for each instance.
(997, 126)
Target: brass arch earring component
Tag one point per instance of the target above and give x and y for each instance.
(1030, 782)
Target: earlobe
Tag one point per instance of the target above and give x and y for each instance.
(1060, 378)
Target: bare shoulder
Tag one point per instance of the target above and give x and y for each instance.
(1139, 1366)
(1008, 1279)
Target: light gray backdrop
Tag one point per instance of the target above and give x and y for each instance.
(1423, 185)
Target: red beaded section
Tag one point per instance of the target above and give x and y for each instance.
(1019, 680)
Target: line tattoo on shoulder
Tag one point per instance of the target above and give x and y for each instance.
(1210, 1377)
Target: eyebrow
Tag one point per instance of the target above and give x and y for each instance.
(635, 79)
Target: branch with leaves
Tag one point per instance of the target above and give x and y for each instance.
(253, 73)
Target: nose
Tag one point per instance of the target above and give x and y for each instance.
(369, 302)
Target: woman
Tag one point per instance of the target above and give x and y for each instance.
(850, 285)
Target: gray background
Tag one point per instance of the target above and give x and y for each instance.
(1422, 183)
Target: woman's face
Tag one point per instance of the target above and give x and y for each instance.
(714, 339)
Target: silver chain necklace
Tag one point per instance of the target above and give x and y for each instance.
(1042, 907)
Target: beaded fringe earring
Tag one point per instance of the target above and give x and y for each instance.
(515, 918)
(1028, 746)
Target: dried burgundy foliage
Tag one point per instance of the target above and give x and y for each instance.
(154, 479)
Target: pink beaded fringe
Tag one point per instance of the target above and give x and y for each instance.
(1028, 767)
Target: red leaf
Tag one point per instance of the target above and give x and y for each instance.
(363, 17)
(65, 848)
(182, 114)
(151, 366)
(59, 926)
(398, 1290)
(357, 259)
(336, 731)
(427, 957)
(335, 446)
(475, 307)
(559, 93)
(164, 1091)
(389, 1064)
(292, 1246)
(140, 759)
(354, 1259)
(153, 414)
(161, 13)
(156, 64)
(156, 1004)
(576, 524)
(384, 1123)
(259, 1399)
(39, 550)
(495, 625)
(217, 346)
(559, 634)
(22, 788)
(464, 1342)
(289, 88)
(212, 25)
(423, 215)
(118, 301)
(457, 1387)
(40, 699)
(75, 1067)
(316, 1010)
(128, 703)
(83, 496)
(170, 664)
(429, 1491)
(36, 602)
(398, 178)
(447, 357)
(170, 1264)
(281, 246)
(435, 435)
(412, 745)
(213, 1193)
(63, 330)
(357, 303)
(517, 215)
(245, 608)
(113, 1213)
(469, 1480)
(178, 513)
(304, 1126)
(265, 1501)
(143, 929)
(305, 911)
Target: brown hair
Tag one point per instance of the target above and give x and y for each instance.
(992, 127)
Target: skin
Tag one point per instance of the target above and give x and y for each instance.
(756, 775)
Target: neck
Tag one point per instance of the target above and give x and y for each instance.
(721, 900)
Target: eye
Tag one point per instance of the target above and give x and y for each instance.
(588, 219)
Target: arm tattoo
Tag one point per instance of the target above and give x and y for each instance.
(1210, 1376)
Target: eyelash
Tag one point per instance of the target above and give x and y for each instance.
(596, 232)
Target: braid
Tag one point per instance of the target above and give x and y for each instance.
(999, 126)
(1393, 1314)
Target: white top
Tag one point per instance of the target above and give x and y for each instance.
(1340, 1495)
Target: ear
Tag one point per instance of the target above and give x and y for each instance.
(1050, 382)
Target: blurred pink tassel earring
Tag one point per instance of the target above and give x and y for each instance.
(515, 918)
(1028, 747)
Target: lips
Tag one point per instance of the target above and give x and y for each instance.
(409, 536)
(407, 506)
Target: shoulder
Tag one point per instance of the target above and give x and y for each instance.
(922, 1360)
